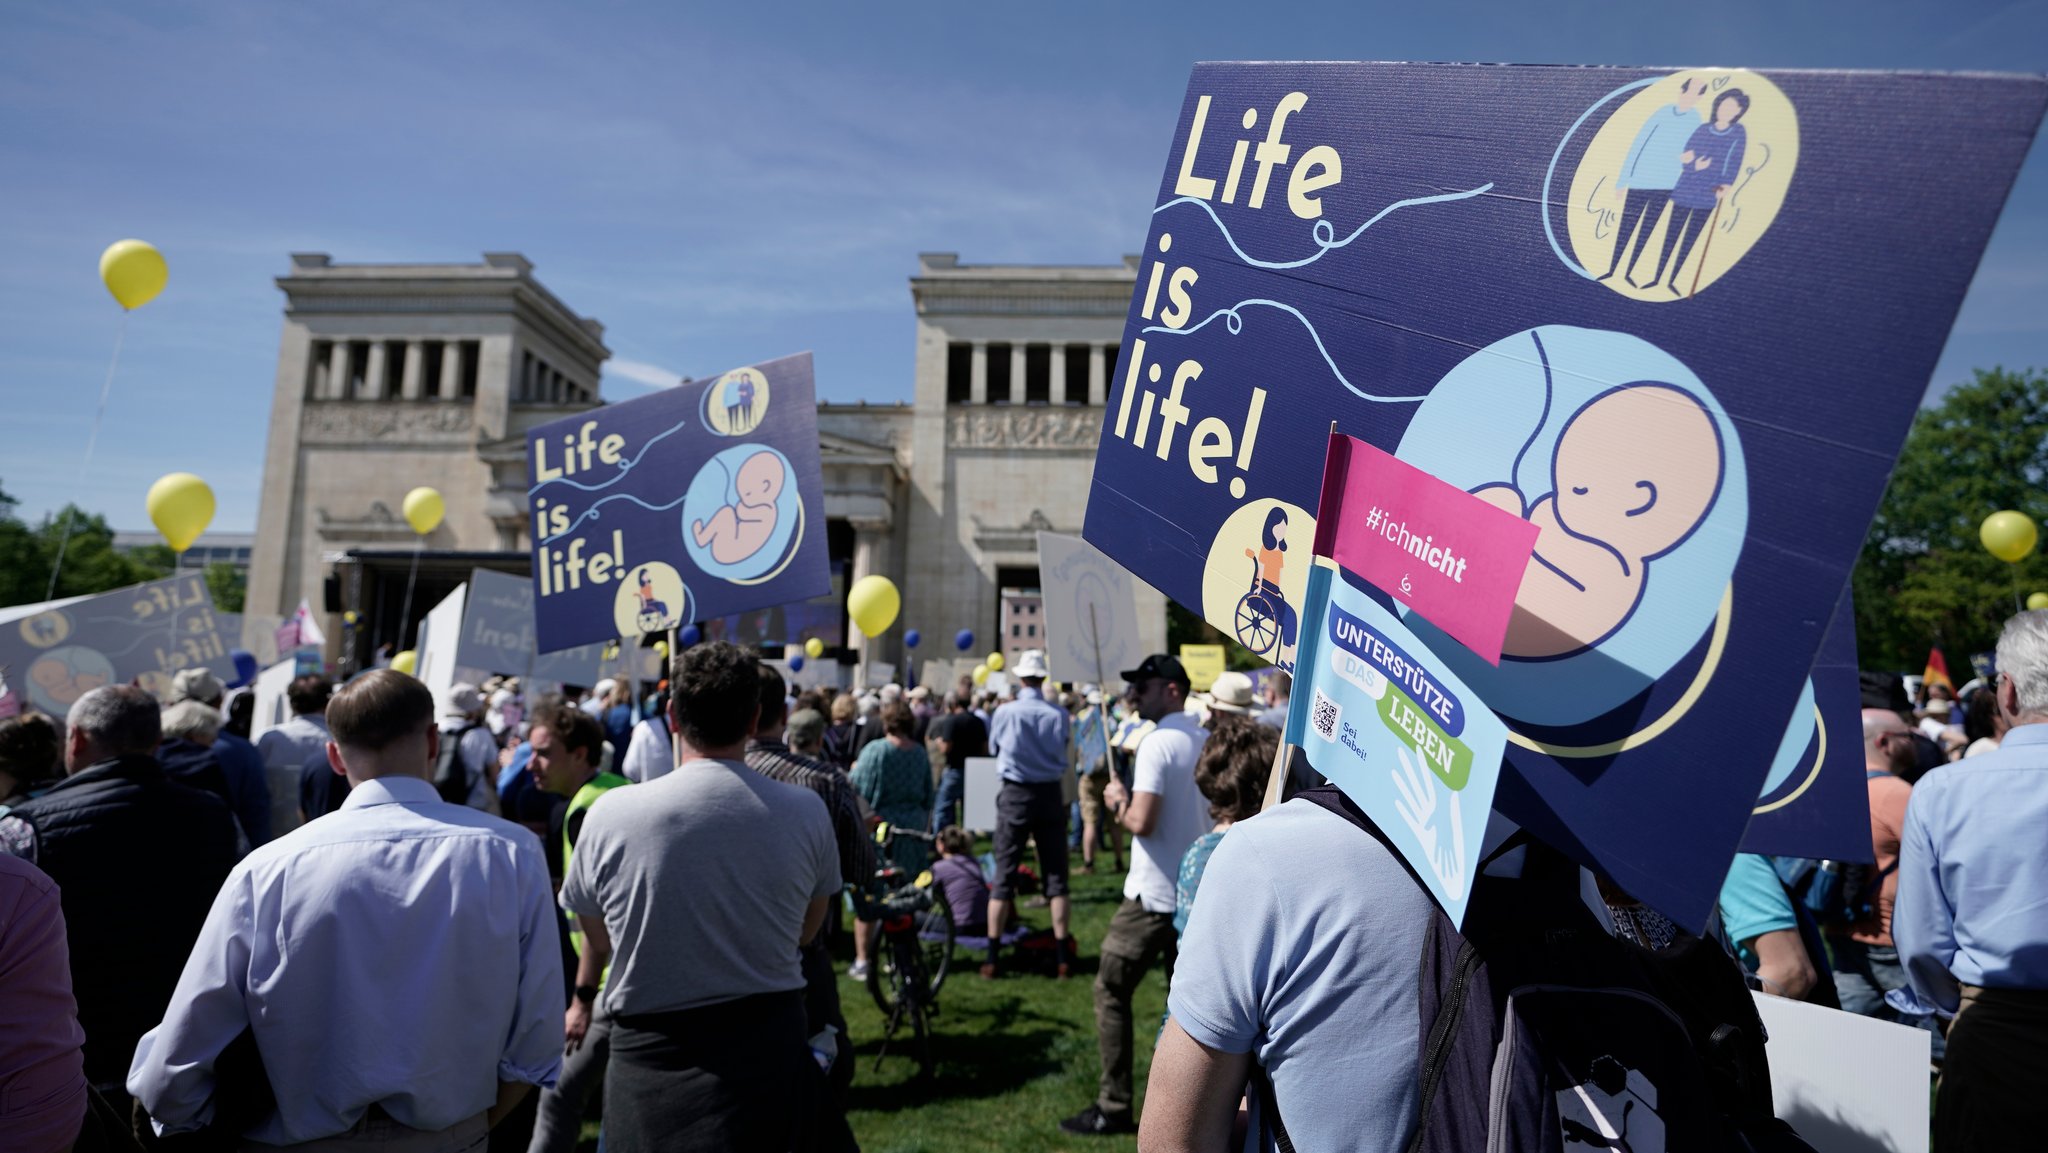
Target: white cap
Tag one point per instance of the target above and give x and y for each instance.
(1231, 693)
(1030, 663)
(463, 699)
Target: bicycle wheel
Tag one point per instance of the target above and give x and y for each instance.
(885, 977)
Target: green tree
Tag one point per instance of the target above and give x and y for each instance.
(91, 565)
(228, 585)
(1924, 578)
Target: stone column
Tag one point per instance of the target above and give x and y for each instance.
(866, 538)
(373, 373)
(1098, 374)
(1059, 373)
(337, 371)
(451, 370)
(409, 376)
(1017, 373)
(977, 374)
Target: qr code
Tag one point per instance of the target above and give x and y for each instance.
(1323, 717)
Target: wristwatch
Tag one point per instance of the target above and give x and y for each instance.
(586, 994)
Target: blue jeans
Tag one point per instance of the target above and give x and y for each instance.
(952, 786)
(1864, 974)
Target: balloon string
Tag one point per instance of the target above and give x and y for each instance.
(405, 614)
(91, 441)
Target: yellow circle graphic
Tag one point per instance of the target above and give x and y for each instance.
(1820, 757)
(1682, 180)
(46, 629)
(1256, 577)
(651, 599)
(736, 402)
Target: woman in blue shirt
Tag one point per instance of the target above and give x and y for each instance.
(1232, 776)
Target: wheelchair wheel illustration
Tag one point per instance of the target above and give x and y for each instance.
(1257, 620)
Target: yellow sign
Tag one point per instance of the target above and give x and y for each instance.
(1204, 664)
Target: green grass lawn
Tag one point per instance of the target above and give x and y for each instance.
(1013, 1055)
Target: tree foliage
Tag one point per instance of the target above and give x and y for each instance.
(228, 585)
(90, 563)
(1924, 578)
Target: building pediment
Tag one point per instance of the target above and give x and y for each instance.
(378, 523)
(1020, 538)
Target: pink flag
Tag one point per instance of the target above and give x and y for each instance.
(1456, 559)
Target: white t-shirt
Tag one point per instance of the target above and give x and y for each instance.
(1166, 767)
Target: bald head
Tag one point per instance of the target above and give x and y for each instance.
(1887, 742)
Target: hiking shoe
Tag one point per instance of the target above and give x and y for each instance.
(1092, 1121)
(988, 971)
(859, 971)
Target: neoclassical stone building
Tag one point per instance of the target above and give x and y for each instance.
(391, 376)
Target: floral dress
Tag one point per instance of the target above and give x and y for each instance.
(896, 782)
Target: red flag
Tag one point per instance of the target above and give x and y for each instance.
(1937, 671)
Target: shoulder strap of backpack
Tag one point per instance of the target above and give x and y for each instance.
(1269, 1109)
(1873, 774)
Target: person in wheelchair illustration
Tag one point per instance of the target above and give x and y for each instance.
(1264, 621)
(653, 611)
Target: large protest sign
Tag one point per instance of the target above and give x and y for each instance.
(700, 501)
(1846, 1083)
(1816, 800)
(1678, 320)
(498, 635)
(1388, 723)
(143, 634)
(439, 639)
(1091, 611)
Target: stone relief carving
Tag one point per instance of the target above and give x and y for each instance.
(386, 421)
(1004, 426)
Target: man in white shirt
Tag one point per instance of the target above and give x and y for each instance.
(396, 963)
(475, 755)
(1165, 812)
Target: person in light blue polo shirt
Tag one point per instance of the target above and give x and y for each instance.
(1971, 918)
(1650, 171)
(1029, 739)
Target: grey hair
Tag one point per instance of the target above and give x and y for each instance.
(2023, 656)
(119, 719)
(192, 721)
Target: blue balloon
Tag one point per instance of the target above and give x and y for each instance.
(964, 640)
(911, 638)
(796, 662)
(245, 667)
(689, 635)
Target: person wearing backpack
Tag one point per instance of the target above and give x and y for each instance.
(466, 771)
(1860, 946)
(1776, 937)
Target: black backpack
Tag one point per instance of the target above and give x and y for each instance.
(451, 776)
(1542, 1032)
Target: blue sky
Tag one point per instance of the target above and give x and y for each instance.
(717, 183)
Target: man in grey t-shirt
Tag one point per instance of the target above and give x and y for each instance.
(700, 887)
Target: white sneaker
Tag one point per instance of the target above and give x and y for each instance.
(859, 971)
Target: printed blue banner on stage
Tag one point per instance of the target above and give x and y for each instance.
(698, 502)
(1816, 800)
(1678, 320)
(146, 634)
(1396, 729)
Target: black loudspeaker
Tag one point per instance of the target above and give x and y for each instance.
(331, 593)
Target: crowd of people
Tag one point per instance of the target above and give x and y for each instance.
(403, 923)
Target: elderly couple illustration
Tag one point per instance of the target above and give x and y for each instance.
(1683, 161)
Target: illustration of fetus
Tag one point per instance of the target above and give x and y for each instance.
(738, 530)
(1634, 472)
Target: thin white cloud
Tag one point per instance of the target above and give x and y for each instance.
(642, 373)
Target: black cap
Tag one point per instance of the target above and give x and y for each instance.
(1162, 665)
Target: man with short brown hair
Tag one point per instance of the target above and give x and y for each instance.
(421, 933)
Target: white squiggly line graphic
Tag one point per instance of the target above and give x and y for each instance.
(1324, 234)
(1235, 323)
(624, 469)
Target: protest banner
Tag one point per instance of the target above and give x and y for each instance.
(440, 636)
(1387, 722)
(498, 635)
(55, 652)
(1204, 663)
(1091, 611)
(980, 782)
(1846, 1083)
(695, 503)
(1680, 321)
(272, 709)
(1816, 800)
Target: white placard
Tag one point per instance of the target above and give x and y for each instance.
(981, 784)
(435, 648)
(1848, 1084)
(1091, 611)
(272, 709)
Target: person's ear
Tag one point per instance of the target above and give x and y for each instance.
(433, 747)
(75, 743)
(2008, 698)
(334, 760)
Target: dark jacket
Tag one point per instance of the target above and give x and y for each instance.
(248, 786)
(192, 764)
(138, 858)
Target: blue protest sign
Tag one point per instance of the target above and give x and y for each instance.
(697, 502)
(53, 654)
(1816, 800)
(498, 635)
(1678, 320)
(1392, 726)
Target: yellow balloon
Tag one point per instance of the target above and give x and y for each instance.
(994, 662)
(405, 662)
(980, 674)
(2038, 601)
(134, 272)
(424, 509)
(2008, 535)
(661, 648)
(814, 648)
(181, 506)
(873, 603)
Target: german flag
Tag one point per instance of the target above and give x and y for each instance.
(1937, 671)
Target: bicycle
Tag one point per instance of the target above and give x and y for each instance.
(908, 969)
(1257, 620)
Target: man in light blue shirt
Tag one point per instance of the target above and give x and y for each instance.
(1029, 739)
(1971, 919)
(396, 964)
(1650, 171)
